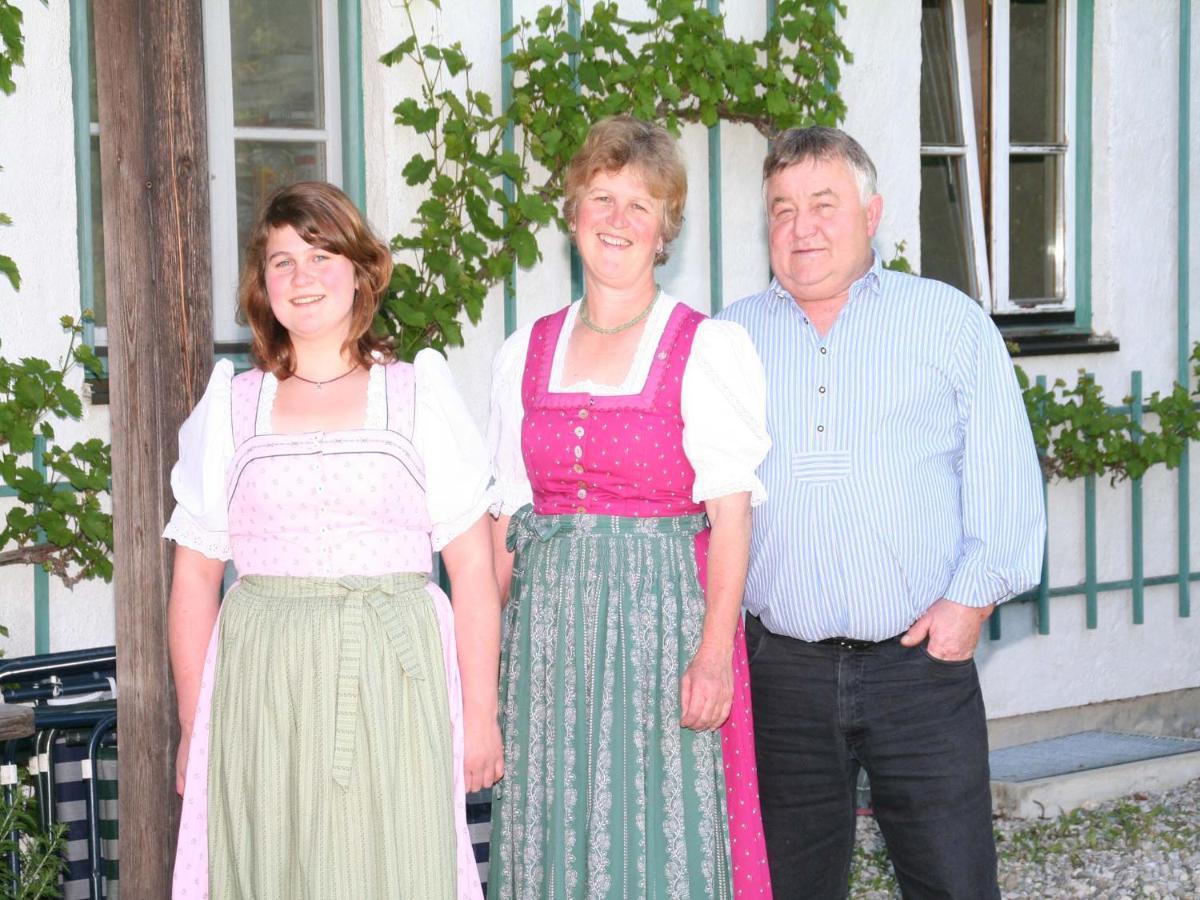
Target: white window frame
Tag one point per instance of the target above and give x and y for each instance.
(968, 153)
(1002, 152)
(218, 68)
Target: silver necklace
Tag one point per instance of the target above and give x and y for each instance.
(321, 384)
(624, 326)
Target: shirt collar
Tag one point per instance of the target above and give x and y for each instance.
(871, 281)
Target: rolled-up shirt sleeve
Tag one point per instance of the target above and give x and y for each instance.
(457, 473)
(200, 519)
(724, 407)
(511, 485)
(1004, 521)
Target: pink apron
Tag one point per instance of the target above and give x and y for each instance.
(369, 524)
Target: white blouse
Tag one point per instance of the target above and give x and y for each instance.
(723, 404)
(457, 471)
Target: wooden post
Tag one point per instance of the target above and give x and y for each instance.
(154, 167)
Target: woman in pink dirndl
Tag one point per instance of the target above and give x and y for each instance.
(626, 430)
(335, 715)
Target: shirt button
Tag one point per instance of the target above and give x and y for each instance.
(577, 469)
(824, 350)
(578, 452)
(821, 389)
(820, 428)
(578, 431)
(583, 414)
(581, 493)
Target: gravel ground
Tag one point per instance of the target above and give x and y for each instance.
(1144, 845)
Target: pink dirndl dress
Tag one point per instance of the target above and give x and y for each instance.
(590, 458)
(325, 505)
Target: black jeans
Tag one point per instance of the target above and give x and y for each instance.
(917, 726)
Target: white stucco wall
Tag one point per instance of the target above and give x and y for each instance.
(882, 92)
(37, 188)
(1134, 257)
(1135, 271)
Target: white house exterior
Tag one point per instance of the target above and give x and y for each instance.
(1118, 254)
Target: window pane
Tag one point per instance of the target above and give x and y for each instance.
(1034, 241)
(1035, 45)
(939, 109)
(944, 250)
(276, 63)
(99, 307)
(263, 166)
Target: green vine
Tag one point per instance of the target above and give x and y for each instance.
(1077, 433)
(486, 200)
(12, 54)
(57, 521)
(485, 204)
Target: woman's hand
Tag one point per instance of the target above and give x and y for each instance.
(706, 689)
(476, 601)
(181, 759)
(483, 756)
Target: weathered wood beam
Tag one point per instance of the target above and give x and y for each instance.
(15, 722)
(154, 177)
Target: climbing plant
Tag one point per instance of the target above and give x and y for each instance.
(57, 520)
(12, 54)
(486, 199)
(1078, 433)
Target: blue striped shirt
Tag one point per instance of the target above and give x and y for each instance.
(902, 467)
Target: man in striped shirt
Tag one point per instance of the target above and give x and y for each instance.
(904, 502)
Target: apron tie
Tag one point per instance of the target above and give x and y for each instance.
(361, 593)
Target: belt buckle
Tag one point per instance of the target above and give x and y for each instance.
(848, 643)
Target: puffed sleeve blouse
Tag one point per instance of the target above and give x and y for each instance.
(457, 468)
(723, 404)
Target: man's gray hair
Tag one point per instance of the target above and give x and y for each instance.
(798, 145)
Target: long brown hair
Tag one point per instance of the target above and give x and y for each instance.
(324, 217)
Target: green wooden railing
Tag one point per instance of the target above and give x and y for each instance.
(1091, 587)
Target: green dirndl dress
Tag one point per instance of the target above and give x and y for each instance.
(605, 795)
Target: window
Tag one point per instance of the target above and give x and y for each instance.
(997, 157)
(1031, 165)
(274, 118)
(284, 104)
(953, 244)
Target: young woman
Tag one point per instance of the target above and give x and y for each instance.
(323, 725)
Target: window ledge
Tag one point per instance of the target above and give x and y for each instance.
(238, 351)
(1050, 341)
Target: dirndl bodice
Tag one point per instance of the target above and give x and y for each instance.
(609, 455)
(327, 503)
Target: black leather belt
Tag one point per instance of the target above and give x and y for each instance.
(850, 643)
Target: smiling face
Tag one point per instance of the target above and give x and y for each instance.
(618, 229)
(820, 231)
(311, 290)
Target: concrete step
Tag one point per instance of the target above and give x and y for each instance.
(1047, 778)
